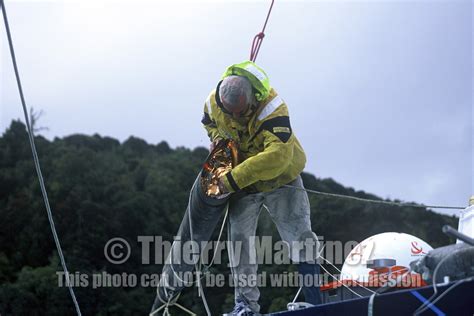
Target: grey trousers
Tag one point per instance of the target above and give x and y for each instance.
(290, 211)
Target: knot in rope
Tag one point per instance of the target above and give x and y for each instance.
(257, 40)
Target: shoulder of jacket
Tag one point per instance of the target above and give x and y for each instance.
(211, 103)
(271, 107)
(211, 97)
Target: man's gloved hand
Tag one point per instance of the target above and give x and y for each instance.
(221, 173)
(217, 188)
(222, 188)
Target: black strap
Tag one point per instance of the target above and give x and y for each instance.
(218, 99)
(232, 182)
(269, 125)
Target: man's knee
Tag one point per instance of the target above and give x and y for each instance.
(305, 248)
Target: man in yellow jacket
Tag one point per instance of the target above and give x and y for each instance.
(245, 108)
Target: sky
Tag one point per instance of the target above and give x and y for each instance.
(379, 92)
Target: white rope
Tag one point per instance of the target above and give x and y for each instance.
(450, 288)
(337, 280)
(207, 267)
(375, 201)
(164, 306)
(201, 293)
(36, 161)
(330, 263)
(197, 265)
(297, 294)
(355, 281)
(427, 303)
(370, 311)
(185, 309)
(301, 287)
(199, 273)
(342, 283)
(167, 304)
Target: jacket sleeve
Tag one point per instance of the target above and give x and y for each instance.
(209, 122)
(268, 164)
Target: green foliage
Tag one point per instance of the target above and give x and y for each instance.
(100, 189)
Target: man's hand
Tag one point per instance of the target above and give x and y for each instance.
(222, 188)
(217, 188)
(221, 173)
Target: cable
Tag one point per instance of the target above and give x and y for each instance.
(427, 303)
(167, 304)
(447, 291)
(197, 265)
(330, 263)
(338, 281)
(331, 275)
(258, 39)
(356, 282)
(370, 310)
(297, 294)
(398, 279)
(301, 287)
(206, 267)
(375, 201)
(36, 160)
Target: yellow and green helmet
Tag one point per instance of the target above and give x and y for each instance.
(256, 75)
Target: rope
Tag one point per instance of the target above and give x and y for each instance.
(356, 282)
(200, 275)
(370, 311)
(445, 293)
(164, 306)
(337, 280)
(297, 294)
(400, 204)
(331, 275)
(36, 160)
(342, 283)
(258, 39)
(301, 287)
(207, 267)
(428, 302)
(167, 304)
(197, 265)
(370, 306)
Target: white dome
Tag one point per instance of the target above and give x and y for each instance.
(403, 248)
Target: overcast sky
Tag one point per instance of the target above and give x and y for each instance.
(379, 92)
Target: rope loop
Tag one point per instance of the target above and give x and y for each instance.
(257, 40)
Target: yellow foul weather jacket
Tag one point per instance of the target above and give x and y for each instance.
(271, 155)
